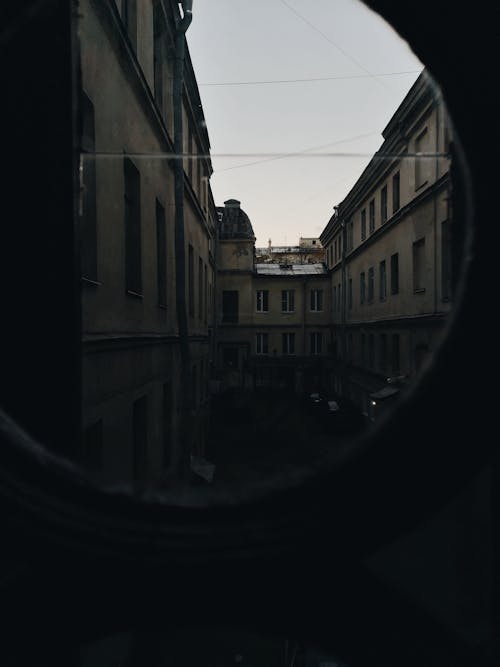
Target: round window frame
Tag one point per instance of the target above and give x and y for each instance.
(49, 502)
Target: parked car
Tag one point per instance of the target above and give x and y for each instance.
(342, 415)
(314, 401)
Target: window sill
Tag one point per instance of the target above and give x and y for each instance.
(136, 295)
(419, 187)
(421, 290)
(162, 306)
(90, 283)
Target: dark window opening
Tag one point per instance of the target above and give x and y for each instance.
(191, 280)
(371, 221)
(396, 194)
(395, 273)
(129, 17)
(140, 437)
(89, 194)
(133, 264)
(230, 306)
(161, 254)
(383, 204)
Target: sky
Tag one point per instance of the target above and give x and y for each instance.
(257, 63)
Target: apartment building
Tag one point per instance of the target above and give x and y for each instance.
(273, 319)
(388, 250)
(131, 340)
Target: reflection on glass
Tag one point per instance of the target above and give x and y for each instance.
(213, 357)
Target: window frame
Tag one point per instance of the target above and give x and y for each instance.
(288, 301)
(262, 303)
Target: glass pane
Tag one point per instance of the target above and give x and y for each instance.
(267, 259)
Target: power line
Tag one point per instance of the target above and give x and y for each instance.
(328, 39)
(281, 156)
(266, 156)
(319, 78)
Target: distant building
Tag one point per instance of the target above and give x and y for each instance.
(388, 249)
(273, 318)
(309, 251)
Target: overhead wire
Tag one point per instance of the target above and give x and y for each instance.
(306, 80)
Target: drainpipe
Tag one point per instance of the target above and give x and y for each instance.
(180, 249)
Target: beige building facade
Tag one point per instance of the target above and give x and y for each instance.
(131, 339)
(273, 319)
(388, 255)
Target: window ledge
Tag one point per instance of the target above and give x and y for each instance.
(137, 295)
(421, 290)
(90, 283)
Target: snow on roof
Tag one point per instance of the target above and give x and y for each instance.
(290, 269)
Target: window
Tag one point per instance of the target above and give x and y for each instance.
(363, 224)
(191, 280)
(396, 195)
(288, 301)
(334, 298)
(383, 205)
(421, 163)
(350, 236)
(167, 424)
(230, 307)
(206, 296)
(316, 342)
(230, 357)
(394, 273)
(133, 265)
(349, 347)
(129, 16)
(395, 354)
(200, 288)
(419, 265)
(262, 298)
(372, 216)
(288, 343)
(371, 284)
(316, 300)
(371, 350)
(140, 437)
(92, 446)
(198, 173)
(190, 151)
(194, 385)
(383, 353)
(89, 205)
(262, 343)
(363, 349)
(161, 255)
(446, 272)
(362, 287)
(382, 281)
(349, 294)
(158, 57)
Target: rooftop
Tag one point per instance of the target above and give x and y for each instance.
(290, 269)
